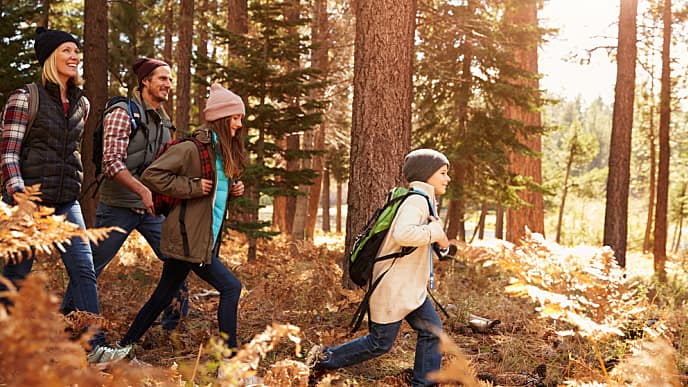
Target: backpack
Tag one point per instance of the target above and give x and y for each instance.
(136, 123)
(364, 253)
(164, 203)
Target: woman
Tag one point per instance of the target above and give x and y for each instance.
(48, 154)
(402, 292)
(178, 173)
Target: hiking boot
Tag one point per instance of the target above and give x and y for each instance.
(314, 355)
(105, 354)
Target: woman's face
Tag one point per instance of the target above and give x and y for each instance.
(67, 60)
(440, 180)
(235, 123)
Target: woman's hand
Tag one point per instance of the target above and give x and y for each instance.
(206, 186)
(237, 188)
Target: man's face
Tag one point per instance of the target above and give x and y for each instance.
(156, 87)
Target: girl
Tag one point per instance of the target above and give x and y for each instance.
(402, 292)
(47, 153)
(178, 173)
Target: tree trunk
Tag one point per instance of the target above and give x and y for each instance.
(95, 73)
(326, 200)
(616, 210)
(652, 184)
(184, 44)
(201, 90)
(499, 222)
(678, 234)
(320, 62)
(237, 17)
(338, 205)
(660, 234)
(532, 215)
(381, 114)
(167, 52)
(565, 192)
(45, 16)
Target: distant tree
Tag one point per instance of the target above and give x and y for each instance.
(383, 61)
(18, 65)
(660, 232)
(95, 51)
(168, 28)
(616, 209)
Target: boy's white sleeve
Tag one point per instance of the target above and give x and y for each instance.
(411, 226)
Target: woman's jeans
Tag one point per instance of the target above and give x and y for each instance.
(150, 228)
(380, 339)
(174, 273)
(77, 260)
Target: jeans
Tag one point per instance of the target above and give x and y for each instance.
(174, 273)
(77, 260)
(380, 339)
(149, 227)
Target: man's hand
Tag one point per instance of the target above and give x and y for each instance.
(147, 199)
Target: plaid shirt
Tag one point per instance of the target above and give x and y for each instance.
(116, 130)
(15, 118)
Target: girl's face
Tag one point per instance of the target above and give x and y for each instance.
(67, 60)
(235, 123)
(440, 180)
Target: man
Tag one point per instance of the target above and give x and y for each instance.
(124, 201)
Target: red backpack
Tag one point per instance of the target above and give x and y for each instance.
(164, 203)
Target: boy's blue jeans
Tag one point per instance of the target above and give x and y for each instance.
(150, 228)
(380, 339)
(174, 273)
(77, 260)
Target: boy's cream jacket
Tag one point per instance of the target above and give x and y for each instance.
(403, 288)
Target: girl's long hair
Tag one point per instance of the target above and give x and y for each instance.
(231, 148)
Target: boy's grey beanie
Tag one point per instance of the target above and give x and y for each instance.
(421, 164)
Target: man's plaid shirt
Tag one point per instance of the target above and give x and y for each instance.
(116, 130)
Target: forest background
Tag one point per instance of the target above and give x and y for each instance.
(323, 109)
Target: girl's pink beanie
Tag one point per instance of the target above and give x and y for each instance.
(222, 103)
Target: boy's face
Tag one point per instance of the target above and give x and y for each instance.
(440, 179)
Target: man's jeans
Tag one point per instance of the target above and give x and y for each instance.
(174, 272)
(149, 227)
(381, 337)
(77, 260)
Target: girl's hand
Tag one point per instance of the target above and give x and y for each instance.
(237, 188)
(206, 186)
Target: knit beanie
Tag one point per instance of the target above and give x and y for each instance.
(421, 164)
(145, 66)
(222, 103)
(47, 41)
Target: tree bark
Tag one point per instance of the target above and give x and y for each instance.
(201, 90)
(184, 46)
(564, 193)
(237, 17)
(326, 200)
(660, 234)
(167, 52)
(338, 207)
(532, 215)
(320, 62)
(652, 184)
(381, 114)
(616, 209)
(96, 88)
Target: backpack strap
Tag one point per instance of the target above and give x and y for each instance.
(33, 106)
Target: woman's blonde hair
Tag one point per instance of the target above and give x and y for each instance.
(231, 148)
(50, 73)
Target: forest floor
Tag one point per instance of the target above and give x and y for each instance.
(299, 283)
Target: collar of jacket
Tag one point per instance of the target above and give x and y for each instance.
(74, 93)
(425, 187)
(139, 99)
(203, 134)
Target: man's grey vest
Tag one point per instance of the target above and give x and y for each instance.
(152, 133)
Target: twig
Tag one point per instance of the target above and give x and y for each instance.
(198, 360)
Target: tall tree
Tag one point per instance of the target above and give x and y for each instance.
(616, 209)
(167, 56)
(96, 88)
(320, 38)
(237, 17)
(201, 88)
(660, 232)
(531, 215)
(383, 64)
(17, 62)
(184, 46)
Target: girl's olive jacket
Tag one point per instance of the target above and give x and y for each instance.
(177, 173)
